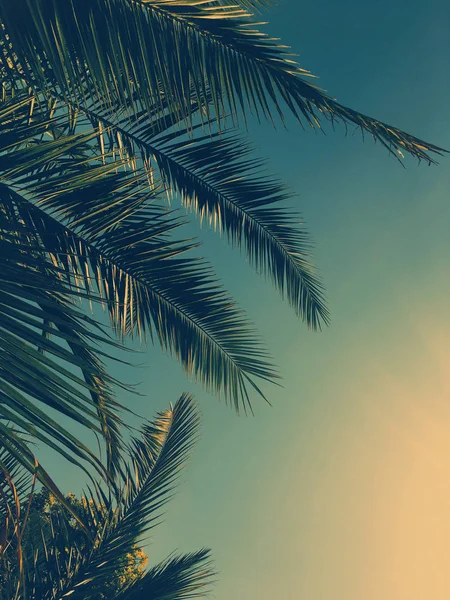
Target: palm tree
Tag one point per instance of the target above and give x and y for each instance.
(108, 107)
(46, 555)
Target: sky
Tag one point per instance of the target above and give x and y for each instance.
(339, 490)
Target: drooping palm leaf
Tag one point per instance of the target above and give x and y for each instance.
(116, 241)
(190, 50)
(11, 470)
(250, 5)
(216, 178)
(59, 561)
(179, 577)
(48, 345)
(37, 370)
(147, 482)
(18, 527)
(19, 472)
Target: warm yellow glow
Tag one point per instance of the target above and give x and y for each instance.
(363, 505)
(408, 536)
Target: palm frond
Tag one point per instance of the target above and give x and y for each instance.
(156, 460)
(35, 369)
(19, 472)
(49, 355)
(149, 288)
(216, 178)
(190, 50)
(60, 561)
(105, 231)
(179, 577)
(250, 5)
(12, 469)
(147, 482)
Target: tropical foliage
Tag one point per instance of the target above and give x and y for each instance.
(45, 554)
(44, 512)
(109, 108)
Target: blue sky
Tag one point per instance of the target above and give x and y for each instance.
(338, 490)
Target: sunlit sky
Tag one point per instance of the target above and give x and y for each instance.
(340, 490)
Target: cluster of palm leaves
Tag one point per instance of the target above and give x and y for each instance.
(48, 558)
(108, 110)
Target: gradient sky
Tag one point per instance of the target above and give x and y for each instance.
(340, 490)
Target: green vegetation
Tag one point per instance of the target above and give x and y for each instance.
(46, 553)
(107, 109)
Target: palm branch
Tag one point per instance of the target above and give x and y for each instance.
(147, 53)
(215, 176)
(282, 256)
(65, 562)
(44, 336)
(131, 262)
(179, 577)
(17, 490)
(106, 95)
(146, 483)
(251, 5)
(77, 226)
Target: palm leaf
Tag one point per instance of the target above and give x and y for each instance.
(103, 237)
(155, 462)
(59, 561)
(216, 178)
(45, 339)
(11, 470)
(19, 470)
(190, 50)
(251, 4)
(32, 292)
(179, 577)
